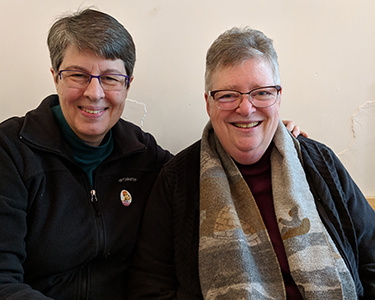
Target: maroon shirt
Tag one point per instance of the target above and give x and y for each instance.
(258, 178)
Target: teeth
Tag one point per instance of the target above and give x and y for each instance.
(241, 125)
(92, 111)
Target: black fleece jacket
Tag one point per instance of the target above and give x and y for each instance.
(58, 237)
(166, 263)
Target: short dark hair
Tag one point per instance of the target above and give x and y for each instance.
(95, 31)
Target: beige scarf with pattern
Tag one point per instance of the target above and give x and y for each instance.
(236, 256)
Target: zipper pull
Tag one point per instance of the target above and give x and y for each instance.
(94, 200)
(93, 196)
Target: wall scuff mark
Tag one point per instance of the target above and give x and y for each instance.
(154, 11)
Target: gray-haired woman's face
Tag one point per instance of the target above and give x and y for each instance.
(247, 131)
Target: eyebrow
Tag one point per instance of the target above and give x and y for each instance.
(79, 68)
(237, 88)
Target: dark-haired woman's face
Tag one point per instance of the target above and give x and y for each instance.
(91, 111)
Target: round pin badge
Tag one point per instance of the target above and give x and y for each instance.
(125, 197)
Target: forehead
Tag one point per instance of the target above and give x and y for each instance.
(89, 61)
(249, 73)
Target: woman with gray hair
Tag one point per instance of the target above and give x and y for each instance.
(249, 211)
(75, 177)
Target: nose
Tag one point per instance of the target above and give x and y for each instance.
(246, 108)
(94, 90)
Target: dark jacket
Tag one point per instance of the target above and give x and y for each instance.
(57, 235)
(166, 263)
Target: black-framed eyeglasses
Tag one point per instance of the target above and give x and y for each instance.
(79, 80)
(260, 97)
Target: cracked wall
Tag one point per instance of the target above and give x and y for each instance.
(135, 112)
(358, 158)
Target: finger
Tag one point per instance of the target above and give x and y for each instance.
(304, 133)
(296, 131)
(289, 125)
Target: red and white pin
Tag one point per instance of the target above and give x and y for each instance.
(125, 197)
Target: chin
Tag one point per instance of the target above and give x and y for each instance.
(248, 156)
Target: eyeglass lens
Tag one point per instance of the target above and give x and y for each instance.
(78, 79)
(262, 97)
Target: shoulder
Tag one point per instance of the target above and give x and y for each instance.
(131, 130)
(11, 126)
(11, 145)
(311, 144)
(187, 158)
(317, 153)
(184, 168)
(322, 164)
(130, 138)
(34, 120)
(325, 171)
(194, 149)
(129, 133)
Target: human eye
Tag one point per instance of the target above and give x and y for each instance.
(263, 94)
(77, 76)
(111, 80)
(226, 96)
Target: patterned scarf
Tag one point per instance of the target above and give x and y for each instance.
(236, 256)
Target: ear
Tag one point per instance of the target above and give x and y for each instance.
(130, 81)
(280, 94)
(207, 98)
(54, 76)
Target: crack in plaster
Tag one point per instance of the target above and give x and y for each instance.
(358, 158)
(356, 122)
(136, 103)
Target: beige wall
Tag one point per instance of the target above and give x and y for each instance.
(326, 54)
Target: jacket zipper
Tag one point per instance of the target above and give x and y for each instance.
(84, 289)
(94, 200)
(101, 239)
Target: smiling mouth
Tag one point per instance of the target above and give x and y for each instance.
(246, 125)
(94, 112)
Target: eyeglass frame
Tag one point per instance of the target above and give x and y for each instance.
(277, 87)
(127, 78)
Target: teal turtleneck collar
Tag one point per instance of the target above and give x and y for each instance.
(86, 156)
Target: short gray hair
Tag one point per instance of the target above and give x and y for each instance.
(236, 45)
(91, 30)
